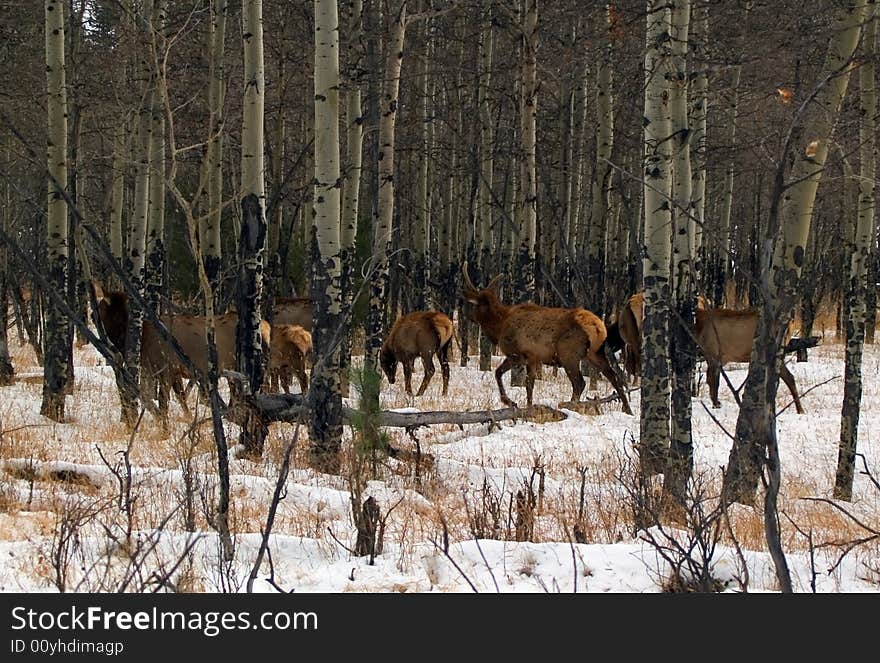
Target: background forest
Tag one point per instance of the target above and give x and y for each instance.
(371, 158)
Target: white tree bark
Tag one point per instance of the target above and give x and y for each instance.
(325, 423)
(55, 366)
(655, 385)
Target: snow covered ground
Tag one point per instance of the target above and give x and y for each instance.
(64, 520)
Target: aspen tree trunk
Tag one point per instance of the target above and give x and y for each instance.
(252, 240)
(209, 232)
(422, 211)
(117, 194)
(871, 293)
(154, 269)
(524, 263)
(525, 259)
(77, 182)
(577, 225)
(601, 183)
(486, 166)
(682, 351)
(325, 398)
(276, 221)
(384, 219)
(446, 296)
(722, 259)
(75, 185)
(864, 235)
(510, 232)
(135, 260)
(697, 42)
(783, 256)
(6, 369)
(55, 341)
(655, 384)
(354, 118)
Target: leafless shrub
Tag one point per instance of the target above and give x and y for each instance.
(870, 538)
(686, 543)
(485, 514)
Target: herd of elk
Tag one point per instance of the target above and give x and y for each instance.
(532, 335)
(526, 334)
(722, 335)
(287, 346)
(420, 334)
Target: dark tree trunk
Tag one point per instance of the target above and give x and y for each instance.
(6, 370)
(248, 346)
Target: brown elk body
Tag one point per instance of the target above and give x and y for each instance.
(290, 352)
(532, 335)
(726, 336)
(629, 327)
(157, 368)
(420, 334)
(292, 311)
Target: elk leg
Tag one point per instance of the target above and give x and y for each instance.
(503, 367)
(573, 371)
(713, 375)
(301, 376)
(407, 375)
(600, 361)
(443, 354)
(428, 363)
(531, 373)
(788, 378)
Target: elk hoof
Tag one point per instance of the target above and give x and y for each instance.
(508, 402)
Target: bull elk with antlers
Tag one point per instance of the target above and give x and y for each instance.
(532, 335)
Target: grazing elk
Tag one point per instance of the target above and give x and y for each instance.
(291, 350)
(534, 335)
(419, 334)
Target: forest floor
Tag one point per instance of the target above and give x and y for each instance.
(70, 520)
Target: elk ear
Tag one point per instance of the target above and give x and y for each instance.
(471, 300)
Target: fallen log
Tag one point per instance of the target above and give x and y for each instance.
(291, 408)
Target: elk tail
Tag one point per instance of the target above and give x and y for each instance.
(444, 331)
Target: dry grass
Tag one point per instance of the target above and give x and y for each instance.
(582, 494)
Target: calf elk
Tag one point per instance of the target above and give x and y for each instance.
(291, 351)
(534, 335)
(626, 332)
(420, 334)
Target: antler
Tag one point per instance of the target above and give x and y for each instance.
(468, 284)
(494, 282)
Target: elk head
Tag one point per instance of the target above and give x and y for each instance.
(485, 300)
(388, 361)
